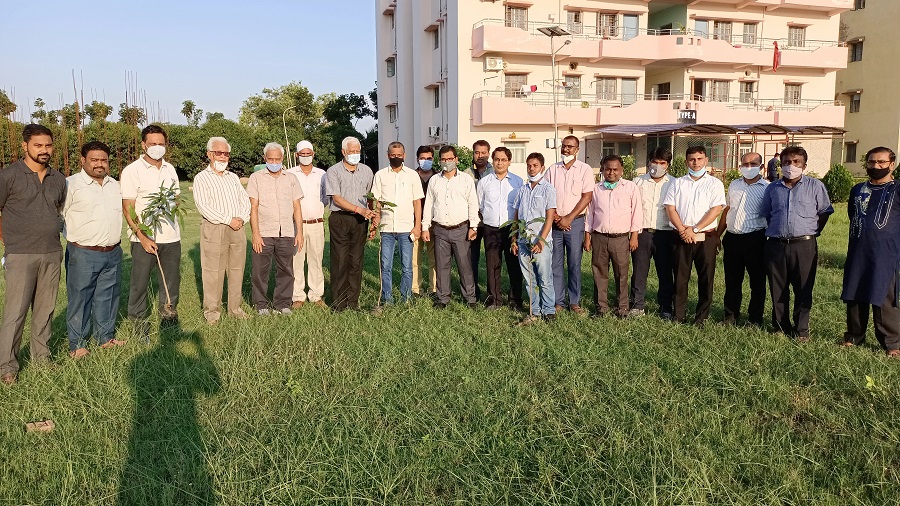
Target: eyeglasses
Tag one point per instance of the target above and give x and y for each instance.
(221, 153)
(880, 163)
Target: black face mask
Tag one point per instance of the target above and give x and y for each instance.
(876, 174)
(395, 162)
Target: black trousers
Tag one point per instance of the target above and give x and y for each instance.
(791, 266)
(498, 248)
(660, 246)
(701, 255)
(450, 244)
(347, 234)
(143, 264)
(744, 253)
(280, 249)
(886, 319)
(475, 258)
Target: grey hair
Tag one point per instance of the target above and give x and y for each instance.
(213, 140)
(273, 145)
(345, 144)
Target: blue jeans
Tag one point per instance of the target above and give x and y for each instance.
(92, 288)
(388, 241)
(537, 273)
(568, 248)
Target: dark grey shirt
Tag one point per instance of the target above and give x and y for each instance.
(351, 186)
(29, 209)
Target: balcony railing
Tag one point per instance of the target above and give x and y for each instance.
(618, 32)
(624, 100)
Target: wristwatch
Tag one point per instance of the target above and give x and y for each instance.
(695, 230)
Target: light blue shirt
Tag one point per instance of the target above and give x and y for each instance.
(794, 212)
(496, 198)
(532, 203)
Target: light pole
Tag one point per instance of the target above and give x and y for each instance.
(555, 31)
(287, 143)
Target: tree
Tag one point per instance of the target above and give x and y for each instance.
(266, 109)
(373, 97)
(346, 108)
(191, 113)
(214, 116)
(97, 111)
(7, 106)
(132, 115)
(69, 115)
(39, 114)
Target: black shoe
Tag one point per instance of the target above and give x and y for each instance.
(729, 320)
(473, 305)
(440, 305)
(549, 317)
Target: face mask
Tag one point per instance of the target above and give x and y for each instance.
(610, 186)
(750, 172)
(791, 172)
(698, 172)
(395, 162)
(156, 152)
(426, 164)
(876, 174)
(535, 178)
(353, 159)
(568, 158)
(305, 160)
(448, 166)
(273, 167)
(220, 166)
(657, 170)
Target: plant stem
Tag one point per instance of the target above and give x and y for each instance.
(162, 276)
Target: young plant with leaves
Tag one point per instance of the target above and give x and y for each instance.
(519, 228)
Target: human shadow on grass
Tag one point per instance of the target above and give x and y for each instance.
(166, 461)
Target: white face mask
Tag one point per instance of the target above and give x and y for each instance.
(305, 160)
(791, 172)
(568, 158)
(156, 152)
(220, 166)
(750, 172)
(537, 177)
(353, 159)
(657, 170)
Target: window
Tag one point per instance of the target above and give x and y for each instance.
(513, 85)
(518, 151)
(850, 152)
(437, 97)
(574, 22)
(607, 25)
(625, 149)
(855, 100)
(796, 36)
(437, 38)
(391, 67)
(573, 87)
(792, 94)
(629, 91)
(720, 91)
(856, 51)
(746, 96)
(859, 4)
(744, 148)
(392, 113)
(661, 91)
(606, 88)
(722, 30)
(392, 20)
(750, 33)
(516, 17)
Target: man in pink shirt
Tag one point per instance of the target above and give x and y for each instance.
(613, 222)
(574, 184)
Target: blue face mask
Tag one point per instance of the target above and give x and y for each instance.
(697, 173)
(610, 186)
(273, 167)
(426, 164)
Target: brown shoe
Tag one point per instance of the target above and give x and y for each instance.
(321, 303)
(893, 353)
(212, 319)
(575, 308)
(297, 304)
(560, 309)
(79, 353)
(240, 314)
(8, 378)
(112, 343)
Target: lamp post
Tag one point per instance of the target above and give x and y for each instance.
(555, 31)
(287, 143)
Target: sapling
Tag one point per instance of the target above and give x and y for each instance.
(519, 228)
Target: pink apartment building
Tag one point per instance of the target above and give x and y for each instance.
(629, 75)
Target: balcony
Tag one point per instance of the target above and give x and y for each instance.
(650, 46)
(504, 108)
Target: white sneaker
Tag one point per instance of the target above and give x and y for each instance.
(636, 313)
(284, 311)
(264, 312)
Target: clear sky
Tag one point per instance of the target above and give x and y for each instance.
(214, 53)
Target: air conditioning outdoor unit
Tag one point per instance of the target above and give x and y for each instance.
(434, 131)
(493, 63)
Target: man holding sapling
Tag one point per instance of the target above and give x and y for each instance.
(535, 209)
(142, 181)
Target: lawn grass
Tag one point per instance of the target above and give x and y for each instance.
(419, 406)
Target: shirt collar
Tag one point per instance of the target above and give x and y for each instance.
(89, 180)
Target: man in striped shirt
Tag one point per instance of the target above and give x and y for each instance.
(225, 207)
(743, 245)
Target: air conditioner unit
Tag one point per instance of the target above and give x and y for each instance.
(493, 63)
(434, 131)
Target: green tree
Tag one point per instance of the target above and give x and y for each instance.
(214, 116)
(39, 113)
(70, 115)
(191, 113)
(7, 106)
(97, 112)
(838, 181)
(132, 115)
(346, 108)
(266, 109)
(373, 97)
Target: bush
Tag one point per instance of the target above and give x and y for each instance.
(628, 172)
(678, 167)
(838, 182)
(731, 175)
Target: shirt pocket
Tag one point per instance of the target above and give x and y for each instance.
(805, 208)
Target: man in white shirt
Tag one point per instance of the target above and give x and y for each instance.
(312, 182)
(93, 232)
(225, 208)
(693, 204)
(745, 241)
(656, 240)
(401, 224)
(139, 181)
(496, 194)
(451, 205)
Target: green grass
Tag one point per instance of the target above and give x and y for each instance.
(425, 407)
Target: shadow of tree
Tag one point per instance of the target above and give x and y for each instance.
(166, 461)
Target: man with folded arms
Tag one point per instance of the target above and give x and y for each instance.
(425, 170)
(451, 205)
(93, 231)
(612, 225)
(312, 183)
(496, 194)
(796, 208)
(225, 208)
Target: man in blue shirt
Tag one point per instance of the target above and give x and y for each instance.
(796, 208)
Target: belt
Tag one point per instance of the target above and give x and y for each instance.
(102, 249)
(451, 227)
(612, 236)
(789, 240)
(762, 230)
(317, 220)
